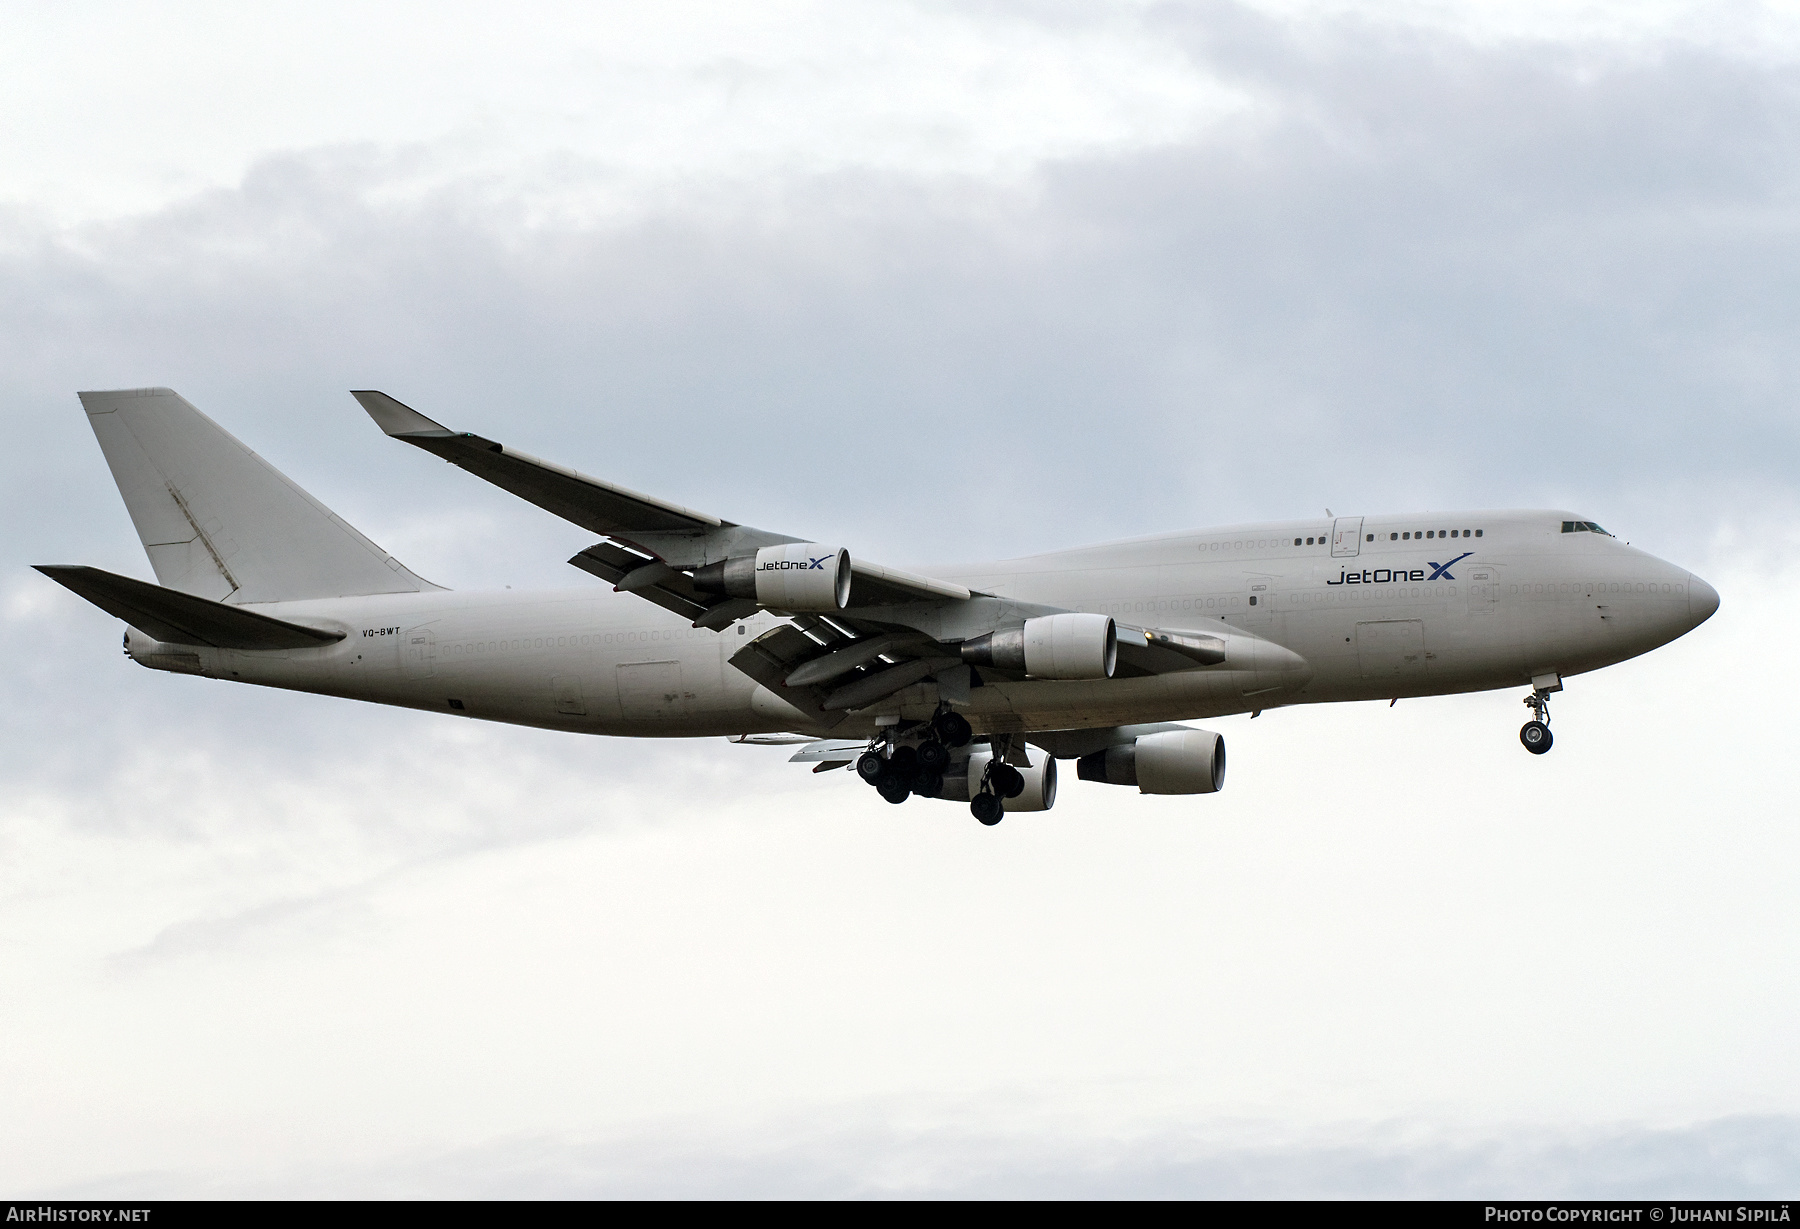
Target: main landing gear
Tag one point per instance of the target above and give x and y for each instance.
(900, 770)
(1535, 734)
(1000, 782)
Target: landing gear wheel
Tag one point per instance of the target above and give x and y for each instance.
(933, 755)
(953, 729)
(1536, 733)
(902, 768)
(871, 767)
(987, 808)
(928, 784)
(1007, 781)
(1536, 737)
(895, 792)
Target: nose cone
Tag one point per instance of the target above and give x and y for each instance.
(1703, 599)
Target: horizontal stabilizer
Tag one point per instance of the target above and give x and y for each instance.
(181, 618)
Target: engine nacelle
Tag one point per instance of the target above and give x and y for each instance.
(1173, 762)
(1059, 646)
(792, 576)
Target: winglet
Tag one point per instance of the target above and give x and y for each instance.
(397, 419)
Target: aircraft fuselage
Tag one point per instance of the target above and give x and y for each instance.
(1312, 612)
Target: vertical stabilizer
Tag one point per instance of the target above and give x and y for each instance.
(219, 521)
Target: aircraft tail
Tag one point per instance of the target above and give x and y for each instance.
(220, 522)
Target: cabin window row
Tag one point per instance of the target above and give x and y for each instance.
(1406, 536)
(1432, 533)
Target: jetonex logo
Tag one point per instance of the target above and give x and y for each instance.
(794, 565)
(1399, 576)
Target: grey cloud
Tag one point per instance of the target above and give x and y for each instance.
(1427, 274)
(1733, 1158)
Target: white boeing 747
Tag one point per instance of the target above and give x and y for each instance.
(967, 683)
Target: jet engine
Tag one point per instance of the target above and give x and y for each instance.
(1172, 762)
(792, 576)
(1058, 646)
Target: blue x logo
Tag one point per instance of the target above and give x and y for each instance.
(1441, 571)
(819, 563)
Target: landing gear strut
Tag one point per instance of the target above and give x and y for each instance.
(952, 728)
(1535, 734)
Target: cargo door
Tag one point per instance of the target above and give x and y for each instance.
(1346, 537)
(1391, 649)
(649, 690)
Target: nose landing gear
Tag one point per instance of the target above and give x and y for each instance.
(1535, 734)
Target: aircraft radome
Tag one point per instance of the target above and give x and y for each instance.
(968, 683)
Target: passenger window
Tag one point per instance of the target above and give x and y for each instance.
(1407, 536)
(1478, 533)
(1429, 533)
(1297, 541)
(1393, 537)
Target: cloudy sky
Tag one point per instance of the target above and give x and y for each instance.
(943, 282)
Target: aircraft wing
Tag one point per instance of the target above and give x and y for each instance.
(889, 636)
(653, 544)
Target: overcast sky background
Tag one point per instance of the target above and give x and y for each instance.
(940, 282)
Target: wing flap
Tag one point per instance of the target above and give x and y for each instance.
(182, 618)
(630, 572)
(772, 656)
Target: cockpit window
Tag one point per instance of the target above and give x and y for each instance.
(1583, 527)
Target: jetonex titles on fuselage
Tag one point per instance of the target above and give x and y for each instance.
(1396, 576)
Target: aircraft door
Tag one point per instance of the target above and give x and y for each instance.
(1259, 595)
(1346, 537)
(1483, 583)
(418, 655)
(566, 690)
